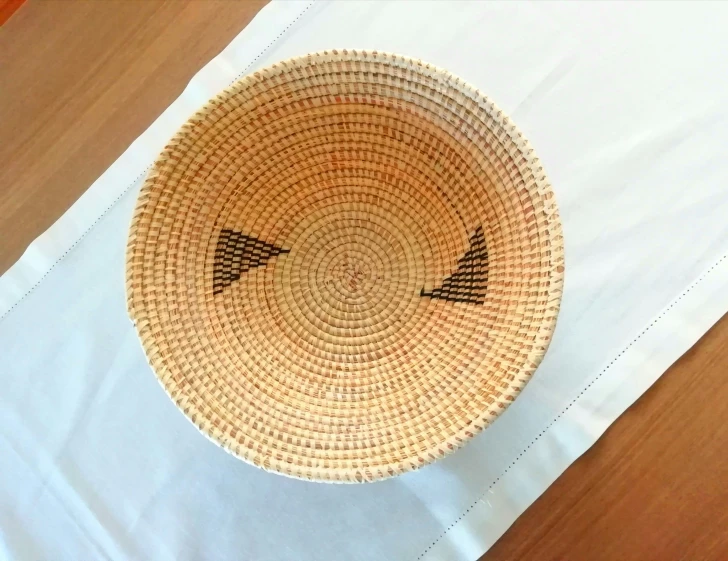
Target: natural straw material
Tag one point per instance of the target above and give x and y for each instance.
(345, 266)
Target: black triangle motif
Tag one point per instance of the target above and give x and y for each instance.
(236, 254)
(469, 282)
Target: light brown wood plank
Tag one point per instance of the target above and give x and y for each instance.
(655, 486)
(79, 81)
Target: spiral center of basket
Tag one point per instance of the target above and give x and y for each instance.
(352, 275)
(348, 277)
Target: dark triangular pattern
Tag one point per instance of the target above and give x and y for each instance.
(470, 281)
(236, 254)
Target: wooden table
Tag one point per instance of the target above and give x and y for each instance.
(80, 80)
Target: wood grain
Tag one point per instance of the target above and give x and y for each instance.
(79, 81)
(8, 8)
(655, 486)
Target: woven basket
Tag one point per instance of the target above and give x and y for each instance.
(345, 266)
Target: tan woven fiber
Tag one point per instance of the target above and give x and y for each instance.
(345, 266)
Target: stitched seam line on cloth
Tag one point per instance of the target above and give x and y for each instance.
(573, 401)
(74, 244)
(138, 177)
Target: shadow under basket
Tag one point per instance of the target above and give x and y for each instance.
(345, 266)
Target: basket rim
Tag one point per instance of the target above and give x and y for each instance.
(554, 232)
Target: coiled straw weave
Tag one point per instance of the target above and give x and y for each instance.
(345, 266)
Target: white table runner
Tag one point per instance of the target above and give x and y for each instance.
(625, 105)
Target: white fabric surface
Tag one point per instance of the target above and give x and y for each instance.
(625, 105)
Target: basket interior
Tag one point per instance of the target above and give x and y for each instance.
(345, 266)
